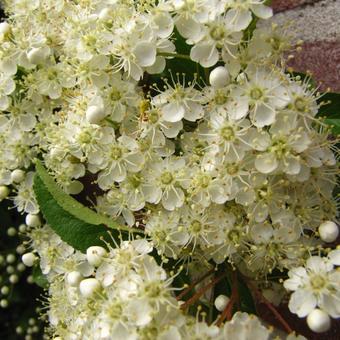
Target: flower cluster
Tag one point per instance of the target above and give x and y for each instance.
(316, 285)
(228, 164)
(121, 292)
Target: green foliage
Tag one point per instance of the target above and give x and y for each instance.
(39, 278)
(77, 225)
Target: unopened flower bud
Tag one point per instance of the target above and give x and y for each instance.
(5, 28)
(28, 259)
(74, 278)
(17, 175)
(4, 192)
(3, 303)
(94, 114)
(33, 220)
(13, 278)
(328, 231)
(221, 302)
(95, 255)
(219, 77)
(318, 321)
(10, 258)
(88, 287)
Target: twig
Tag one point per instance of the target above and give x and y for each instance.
(262, 299)
(195, 297)
(194, 283)
(227, 313)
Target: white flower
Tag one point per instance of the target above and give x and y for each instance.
(7, 86)
(315, 285)
(180, 102)
(163, 182)
(117, 159)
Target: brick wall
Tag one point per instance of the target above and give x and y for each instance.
(317, 23)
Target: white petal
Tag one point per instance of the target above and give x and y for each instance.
(145, 53)
(204, 53)
(158, 66)
(334, 257)
(296, 278)
(173, 199)
(262, 11)
(266, 163)
(263, 116)
(173, 112)
(238, 20)
(302, 302)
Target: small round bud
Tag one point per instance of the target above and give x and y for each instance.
(219, 77)
(88, 287)
(328, 231)
(95, 255)
(3, 303)
(94, 114)
(22, 228)
(28, 259)
(20, 249)
(4, 192)
(37, 55)
(21, 267)
(19, 330)
(5, 28)
(31, 321)
(30, 279)
(10, 258)
(4, 290)
(33, 220)
(17, 175)
(221, 302)
(10, 269)
(318, 321)
(11, 231)
(74, 278)
(13, 278)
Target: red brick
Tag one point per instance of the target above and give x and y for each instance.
(282, 5)
(323, 60)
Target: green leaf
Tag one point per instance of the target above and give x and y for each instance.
(72, 206)
(329, 105)
(39, 278)
(76, 224)
(335, 123)
(72, 230)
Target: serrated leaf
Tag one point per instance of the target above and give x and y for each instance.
(72, 230)
(72, 206)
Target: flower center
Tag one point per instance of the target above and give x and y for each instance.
(300, 104)
(256, 94)
(203, 181)
(318, 282)
(166, 178)
(221, 97)
(116, 153)
(232, 169)
(196, 226)
(217, 33)
(228, 133)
